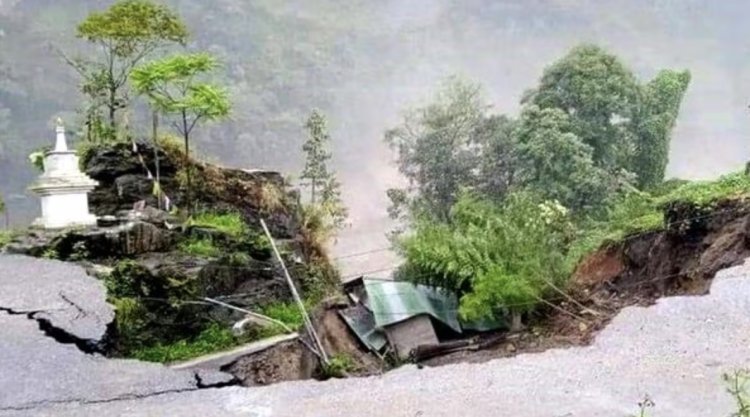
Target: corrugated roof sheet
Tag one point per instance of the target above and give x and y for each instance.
(395, 301)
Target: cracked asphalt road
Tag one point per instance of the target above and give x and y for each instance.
(675, 351)
(47, 308)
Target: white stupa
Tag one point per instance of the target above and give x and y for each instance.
(63, 188)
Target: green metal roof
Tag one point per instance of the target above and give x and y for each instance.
(395, 301)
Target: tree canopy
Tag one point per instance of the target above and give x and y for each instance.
(125, 34)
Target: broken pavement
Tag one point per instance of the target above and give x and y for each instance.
(53, 317)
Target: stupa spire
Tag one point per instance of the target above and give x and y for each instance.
(60, 144)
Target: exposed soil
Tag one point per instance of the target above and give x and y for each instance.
(290, 361)
(680, 260)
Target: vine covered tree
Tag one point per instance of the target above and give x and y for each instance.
(124, 34)
(173, 86)
(653, 124)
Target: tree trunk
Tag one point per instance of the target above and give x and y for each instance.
(187, 162)
(112, 109)
(155, 132)
(515, 322)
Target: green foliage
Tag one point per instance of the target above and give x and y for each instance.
(659, 106)
(315, 174)
(498, 258)
(326, 213)
(36, 158)
(172, 86)
(640, 211)
(738, 386)
(50, 253)
(214, 338)
(598, 92)
(556, 164)
(287, 313)
(338, 366)
(6, 236)
(326, 205)
(434, 149)
(126, 33)
(231, 224)
(203, 247)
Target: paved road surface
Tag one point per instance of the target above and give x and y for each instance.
(675, 351)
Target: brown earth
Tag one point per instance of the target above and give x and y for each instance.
(682, 259)
(293, 361)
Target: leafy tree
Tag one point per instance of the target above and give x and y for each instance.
(499, 259)
(653, 123)
(497, 144)
(556, 163)
(599, 93)
(173, 87)
(434, 147)
(125, 34)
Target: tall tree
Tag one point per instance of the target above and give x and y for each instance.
(317, 155)
(125, 34)
(657, 113)
(326, 213)
(598, 92)
(174, 87)
(435, 148)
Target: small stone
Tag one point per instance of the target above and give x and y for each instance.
(582, 327)
(510, 347)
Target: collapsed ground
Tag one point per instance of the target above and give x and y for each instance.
(154, 269)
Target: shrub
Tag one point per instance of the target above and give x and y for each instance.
(271, 197)
(498, 259)
(6, 237)
(200, 247)
(228, 223)
(338, 366)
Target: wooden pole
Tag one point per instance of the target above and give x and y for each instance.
(295, 294)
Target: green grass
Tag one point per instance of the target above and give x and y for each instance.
(640, 212)
(287, 313)
(200, 247)
(227, 223)
(213, 339)
(338, 366)
(6, 236)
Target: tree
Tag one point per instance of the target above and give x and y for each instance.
(556, 164)
(653, 122)
(325, 213)
(499, 259)
(317, 155)
(173, 87)
(435, 148)
(598, 92)
(497, 144)
(125, 34)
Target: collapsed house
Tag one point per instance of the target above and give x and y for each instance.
(399, 317)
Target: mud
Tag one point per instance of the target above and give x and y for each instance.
(293, 361)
